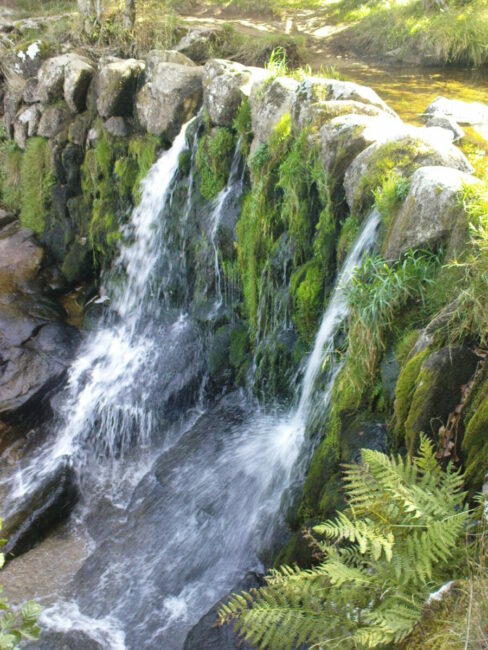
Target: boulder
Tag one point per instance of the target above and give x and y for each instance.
(68, 76)
(445, 122)
(78, 129)
(430, 212)
(116, 126)
(320, 112)
(20, 258)
(26, 124)
(115, 86)
(464, 113)
(54, 119)
(343, 138)
(197, 44)
(71, 640)
(170, 95)
(313, 92)
(29, 94)
(206, 635)
(35, 358)
(225, 85)
(50, 502)
(155, 57)
(28, 59)
(403, 150)
(77, 77)
(270, 100)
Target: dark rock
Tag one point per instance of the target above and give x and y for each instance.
(30, 91)
(437, 391)
(78, 129)
(51, 502)
(72, 157)
(73, 640)
(197, 44)
(207, 635)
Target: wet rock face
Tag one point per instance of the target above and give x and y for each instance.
(35, 352)
(207, 635)
(430, 211)
(171, 95)
(38, 512)
(74, 640)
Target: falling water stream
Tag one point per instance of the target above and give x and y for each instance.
(178, 509)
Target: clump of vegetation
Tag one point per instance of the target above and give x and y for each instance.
(390, 195)
(36, 182)
(10, 174)
(214, 156)
(378, 292)
(398, 541)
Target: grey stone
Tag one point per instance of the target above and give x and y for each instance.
(414, 147)
(54, 119)
(322, 111)
(430, 211)
(26, 124)
(270, 100)
(116, 126)
(225, 85)
(312, 92)
(115, 86)
(155, 57)
(197, 44)
(446, 122)
(464, 113)
(171, 94)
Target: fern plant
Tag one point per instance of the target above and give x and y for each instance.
(396, 543)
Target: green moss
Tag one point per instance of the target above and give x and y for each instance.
(184, 162)
(405, 389)
(214, 156)
(475, 441)
(390, 194)
(239, 352)
(243, 126)
(404, 346)
(347, 237)
(393, 159)
(307, 286)
(36, 181)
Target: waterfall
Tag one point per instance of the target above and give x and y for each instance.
(199, 508)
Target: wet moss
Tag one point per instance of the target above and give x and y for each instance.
(404, 393)
(475, 441)
(214, 156)
(36, 182)
(347, 237)
(10, 175)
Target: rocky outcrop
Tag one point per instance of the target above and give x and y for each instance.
(225, 85)
(197, 44)
(171, 94)
(115, 85)
(430, 212)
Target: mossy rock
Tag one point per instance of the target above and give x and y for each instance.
(429, 388)
(402, 156)
(214, 158)
(475, 441)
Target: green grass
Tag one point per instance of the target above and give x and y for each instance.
(455, 36)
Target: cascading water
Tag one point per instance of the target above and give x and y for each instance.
(200, 505)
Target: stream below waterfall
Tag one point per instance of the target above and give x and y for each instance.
(180, 495)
